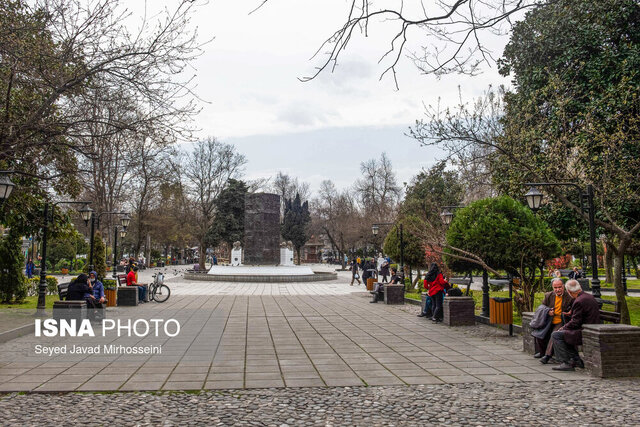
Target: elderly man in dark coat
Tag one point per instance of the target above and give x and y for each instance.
(585, 310)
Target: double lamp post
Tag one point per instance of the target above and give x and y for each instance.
(6, 187)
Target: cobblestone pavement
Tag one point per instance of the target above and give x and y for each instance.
(587, 402)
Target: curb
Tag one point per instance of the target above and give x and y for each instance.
(17, 333)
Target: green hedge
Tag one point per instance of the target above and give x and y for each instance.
(34, 283)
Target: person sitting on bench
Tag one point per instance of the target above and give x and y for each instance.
(79, 288)
(378, 292)
(585, 310)
(131, 281)
(96, 297)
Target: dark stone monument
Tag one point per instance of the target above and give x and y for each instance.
(261, 229)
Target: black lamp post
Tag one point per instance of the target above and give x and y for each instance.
(85, 212)
(124, 221)
(123, 234)
(375, 228)
(534, 200)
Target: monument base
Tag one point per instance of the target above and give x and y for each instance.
(261, 274)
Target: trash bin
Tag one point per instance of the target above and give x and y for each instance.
(501, 311)
(370, 283)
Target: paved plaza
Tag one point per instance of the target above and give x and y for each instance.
(301, 354)
(271, 337)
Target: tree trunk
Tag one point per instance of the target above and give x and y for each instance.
(203, 256)
(608, 263)
(298, 253)
(417, 277)
(620, 296)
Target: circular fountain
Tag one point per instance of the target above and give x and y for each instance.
(262, 258)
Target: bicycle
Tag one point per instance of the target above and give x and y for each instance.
(158, 291)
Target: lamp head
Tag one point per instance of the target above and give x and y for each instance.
(447, 216)
(86, 213)
(125, 220)
(534, 198)
(375, 229)
(6, 187)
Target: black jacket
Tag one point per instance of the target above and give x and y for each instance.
(77, 290)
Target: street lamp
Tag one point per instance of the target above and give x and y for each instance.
(534, 199)
(6, 186)
(48, 217)
(123, 234)
(86, 213)
(447, 216)
(447, 213)
(125, 220)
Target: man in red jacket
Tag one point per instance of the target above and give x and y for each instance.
(131, 281)
(585, 310)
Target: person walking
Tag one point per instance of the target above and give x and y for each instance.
(354, 272)
(384, 271)
(29, 268)
(435, 285)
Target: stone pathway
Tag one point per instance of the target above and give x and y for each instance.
(577, 403)
(230, 342)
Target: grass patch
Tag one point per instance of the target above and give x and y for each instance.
(31, 302)
(631, 284)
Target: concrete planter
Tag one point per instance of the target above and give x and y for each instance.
(459, 311)
(611, 350)
(393, 294)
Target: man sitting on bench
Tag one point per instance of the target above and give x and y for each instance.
(96, 298)
(131, 281)
(378, 292)
(585, 310)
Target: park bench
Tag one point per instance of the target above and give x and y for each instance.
(74, 309)
(462, 281)
(610, 316)
(129, 294)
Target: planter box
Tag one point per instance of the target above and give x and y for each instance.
(459, 311)
(393, 294)
(611, 350)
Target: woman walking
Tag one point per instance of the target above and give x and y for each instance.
(354, 272)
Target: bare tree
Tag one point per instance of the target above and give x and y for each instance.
(68, 52)
(287, 187)
(452, 33)
(206, 170)
(336, 214)
(378, 189)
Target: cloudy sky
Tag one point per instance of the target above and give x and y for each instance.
(322, 129)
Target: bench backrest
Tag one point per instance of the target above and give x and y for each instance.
(610, 316)
(63, 289)
(122, 280)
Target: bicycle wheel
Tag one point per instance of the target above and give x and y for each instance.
(161, 293)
